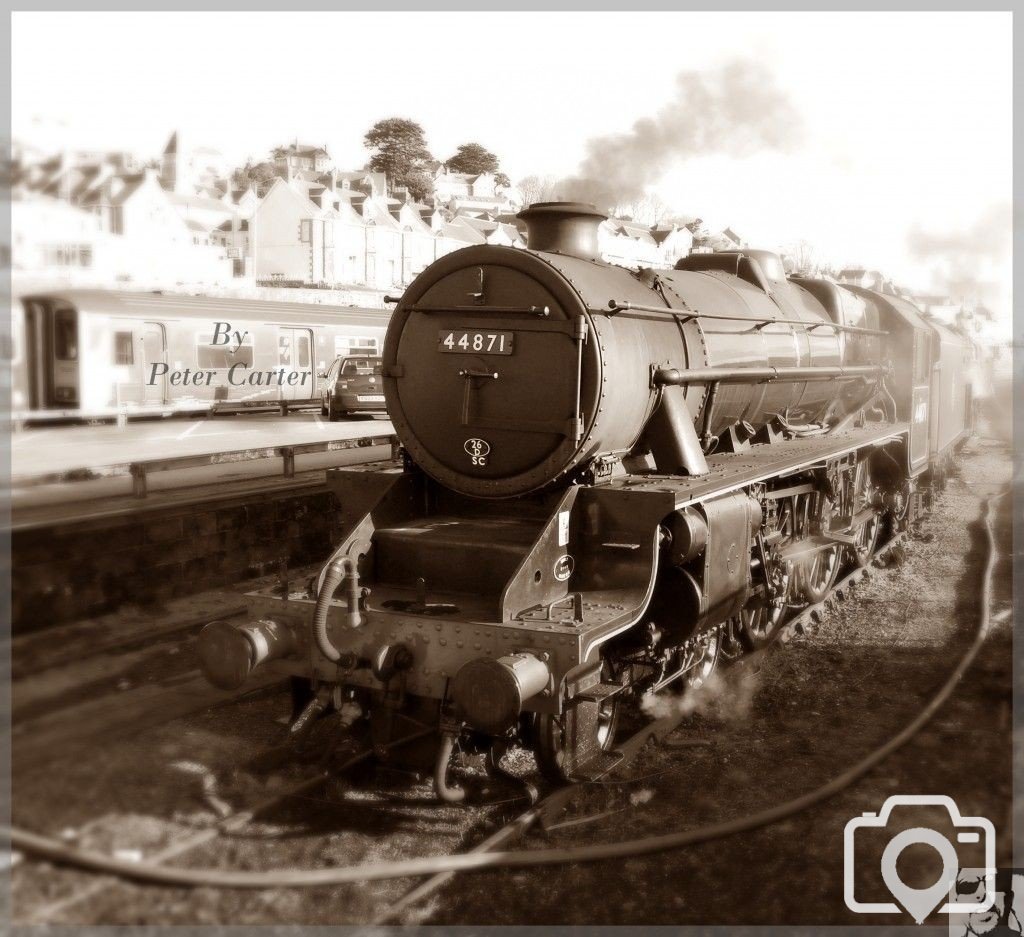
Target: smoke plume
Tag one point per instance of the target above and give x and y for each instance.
(736, 110)
(968, 263)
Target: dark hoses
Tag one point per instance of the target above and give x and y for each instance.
(449, 794)
(344, 567)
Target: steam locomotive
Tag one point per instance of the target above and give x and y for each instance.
(611, 482)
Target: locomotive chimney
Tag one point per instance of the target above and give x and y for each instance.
(563, 228)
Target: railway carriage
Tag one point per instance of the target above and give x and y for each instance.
(612, 481)
(88, 352)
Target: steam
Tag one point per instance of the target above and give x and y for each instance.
(736, 110)
(725, 697)
(970, 262)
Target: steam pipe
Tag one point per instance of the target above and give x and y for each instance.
(449, 794)
(344, 567)
(676, 376)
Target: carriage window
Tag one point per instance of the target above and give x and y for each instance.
(124, 348)
(219, 357)
(345, 345)
(65, 335)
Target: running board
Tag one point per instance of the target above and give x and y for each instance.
(600, 692)
(602, 764)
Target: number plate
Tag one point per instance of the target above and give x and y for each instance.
(471, 342)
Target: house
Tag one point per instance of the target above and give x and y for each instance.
(123, 228)
(628, 244)
(493, 232)
(190, 169)
(365, 181)
(201, 212)
(460, 191)
(733, 239)
(674, 242)
(464, 235)
(384, 244)
(291, 238)
(871, 279)
(306, 232)
(420, 241)
(301, 157)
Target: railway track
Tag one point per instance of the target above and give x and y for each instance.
(543, 813)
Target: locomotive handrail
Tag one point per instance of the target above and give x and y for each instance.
(674, 376)
(624, 305)
(524, 310)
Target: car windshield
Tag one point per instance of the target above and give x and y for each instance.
(361, 366)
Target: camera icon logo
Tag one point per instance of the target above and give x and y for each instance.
(975, 833)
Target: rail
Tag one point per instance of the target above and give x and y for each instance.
(140, 469)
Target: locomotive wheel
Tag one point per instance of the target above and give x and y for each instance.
(565, 743)
(711, 646)
(900, 501)
(867, 534)
(759, 625)
(867, 538)
(816, 578)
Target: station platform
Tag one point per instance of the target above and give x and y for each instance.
(106, 518)
(69, 472)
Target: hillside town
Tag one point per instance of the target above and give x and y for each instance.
(186, 220)
(178, 221)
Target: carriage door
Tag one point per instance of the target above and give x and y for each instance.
(154, 351)
(295, 356)
(35, 357)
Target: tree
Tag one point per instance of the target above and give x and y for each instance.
(474, 159)
(648, 209)
(260, 176)
(399, 149)
(803, 255)
(536, 189)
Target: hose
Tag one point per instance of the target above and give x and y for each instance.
(56, 851)
(342, 568)
(450, 794)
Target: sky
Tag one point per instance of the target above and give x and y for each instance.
(900, 147)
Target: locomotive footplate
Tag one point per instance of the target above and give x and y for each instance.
(733, 470)
(440, 647)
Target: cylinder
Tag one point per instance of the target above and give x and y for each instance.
(229, 653)
(689, 535)
(490, 693)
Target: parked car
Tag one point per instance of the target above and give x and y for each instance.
(352, 384)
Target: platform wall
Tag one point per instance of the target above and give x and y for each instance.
(99, 566)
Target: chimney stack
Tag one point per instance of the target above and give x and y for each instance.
(563, 228)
